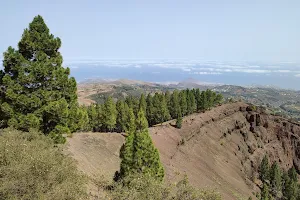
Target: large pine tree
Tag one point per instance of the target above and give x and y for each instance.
(36, 91)
(122, 113)
(183, 102)
(138, 155)
(109, 114)
(175, 109)
(143, 103)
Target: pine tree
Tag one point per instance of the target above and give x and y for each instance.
(265, 169)
(146, 157)
(168, 100)
(150, 110)
(109, 114)
(285, 183)
(127, 150)
(218, 99)
(192, 102)
(139, 156)
(160, 110)
(121, 116)
(265, 192)
(143, 103)
(78, 118)
(198, 99)
(99, 120)
(183, 102)
(209, 97)
(164, 109)
(188, 101)
(290, 189)
(131, 126)
(204, 104)
(175, 106)
(179, 120)
(92, 114)
(275, 178)
(293, 174)
(36, 91)
(133, 103)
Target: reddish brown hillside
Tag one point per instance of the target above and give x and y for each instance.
(219, 149)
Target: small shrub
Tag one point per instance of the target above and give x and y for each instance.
(222, 142)
(182, 142)
(145, 187)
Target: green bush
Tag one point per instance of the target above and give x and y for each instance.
(146, 187)
(31, 167)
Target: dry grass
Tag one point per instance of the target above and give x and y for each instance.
(31, 167)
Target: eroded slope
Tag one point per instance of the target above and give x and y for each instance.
(220, 149)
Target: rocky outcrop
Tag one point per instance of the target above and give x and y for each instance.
(227, 144)
(278, 137)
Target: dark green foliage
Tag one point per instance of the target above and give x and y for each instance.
(293, 174)
(122, 113)
(168, 101)
(127, 150)
(150, 110)
(159, 108)
(265, 192)
(198, 99)
(109, 114)
(191, 102)
(36, 91)
(179, 120)
(265, 169)
(78, 119)
(183, 102)
(278, 184)
(133, 103)
(204, 102)
(95, 117)
(174, 105)
(210, 98)
(218, 99)
(139, 156)
(32, 168)
(143, 103)
(290, 189)
(275, 178)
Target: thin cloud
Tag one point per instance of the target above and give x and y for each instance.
(186, 69)
(207, 73)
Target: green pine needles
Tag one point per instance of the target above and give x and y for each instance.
(278, 183)
(36, 91)
(138, 154)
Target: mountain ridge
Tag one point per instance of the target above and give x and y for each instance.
(221, 148)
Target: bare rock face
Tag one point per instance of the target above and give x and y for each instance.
(273, 135)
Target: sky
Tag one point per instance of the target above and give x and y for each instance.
(231, 30)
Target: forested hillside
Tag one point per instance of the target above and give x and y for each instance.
(39, 109)
(158, 108)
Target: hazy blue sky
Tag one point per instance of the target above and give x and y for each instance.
(239, 30)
